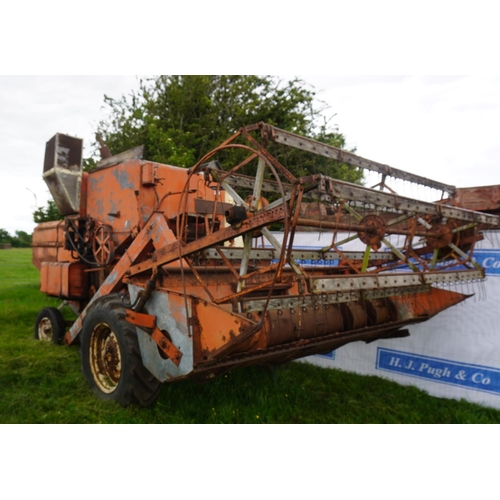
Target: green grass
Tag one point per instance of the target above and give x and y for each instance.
(43, 383)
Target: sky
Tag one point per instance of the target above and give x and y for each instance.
(442, 127)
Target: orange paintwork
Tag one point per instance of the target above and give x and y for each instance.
(141, 201)
(148, 322)
(48, 244)
(162, 235)
(64, 279)
(125, 196)
(218, 326)
(140, 319)
(147, 231)
(426, 304)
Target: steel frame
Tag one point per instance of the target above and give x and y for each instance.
(358, 275)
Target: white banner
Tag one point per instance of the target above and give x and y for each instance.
(456, 354)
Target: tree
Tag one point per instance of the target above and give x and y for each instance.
(20, 240)
(5, 237)
(181, 118)
(47, 213)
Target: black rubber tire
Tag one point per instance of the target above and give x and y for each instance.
(111, 358)
(50, 325)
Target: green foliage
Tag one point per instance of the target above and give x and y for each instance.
(5, 237)
(89, 164)
(47, 213)
(20, 240)
(42, 383)
(181, 118)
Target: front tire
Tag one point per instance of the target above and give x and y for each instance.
(111, 358)
(50, 325)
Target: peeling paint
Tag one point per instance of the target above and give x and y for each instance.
(123, 178)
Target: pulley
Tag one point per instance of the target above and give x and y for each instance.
(103, 246)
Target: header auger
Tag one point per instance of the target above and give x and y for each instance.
(178, 273)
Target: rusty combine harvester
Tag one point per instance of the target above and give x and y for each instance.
(178, 273)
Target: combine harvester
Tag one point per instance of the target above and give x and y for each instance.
(178, 273)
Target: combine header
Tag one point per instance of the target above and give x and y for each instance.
(179, 273)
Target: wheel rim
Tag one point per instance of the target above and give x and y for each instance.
(45, 330)
(105, 358)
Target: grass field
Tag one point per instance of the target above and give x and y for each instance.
(43, 383)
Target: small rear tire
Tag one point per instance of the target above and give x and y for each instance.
(111, 358)
(50, 325)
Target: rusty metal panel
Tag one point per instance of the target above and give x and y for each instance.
(391, 280)
(64, 279)
(202, 206)
(131, 154)
(162, 236)
(75, 281)
(51, 278)
(112, 198)
(172, 318)
(344, 190)
(148, 177)
(315, 147)
(47, 282)
(427, 304)
(265, 254)
(483, 198)
(171, 252)
(63, 151)
(47, 243)
(62, 172)
(218, 327)
(147, 322)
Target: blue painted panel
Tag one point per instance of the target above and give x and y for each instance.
(477, 377)
(490, 260)
(329, 355)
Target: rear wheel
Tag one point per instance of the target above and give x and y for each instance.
(50, 326)
(111, 359)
